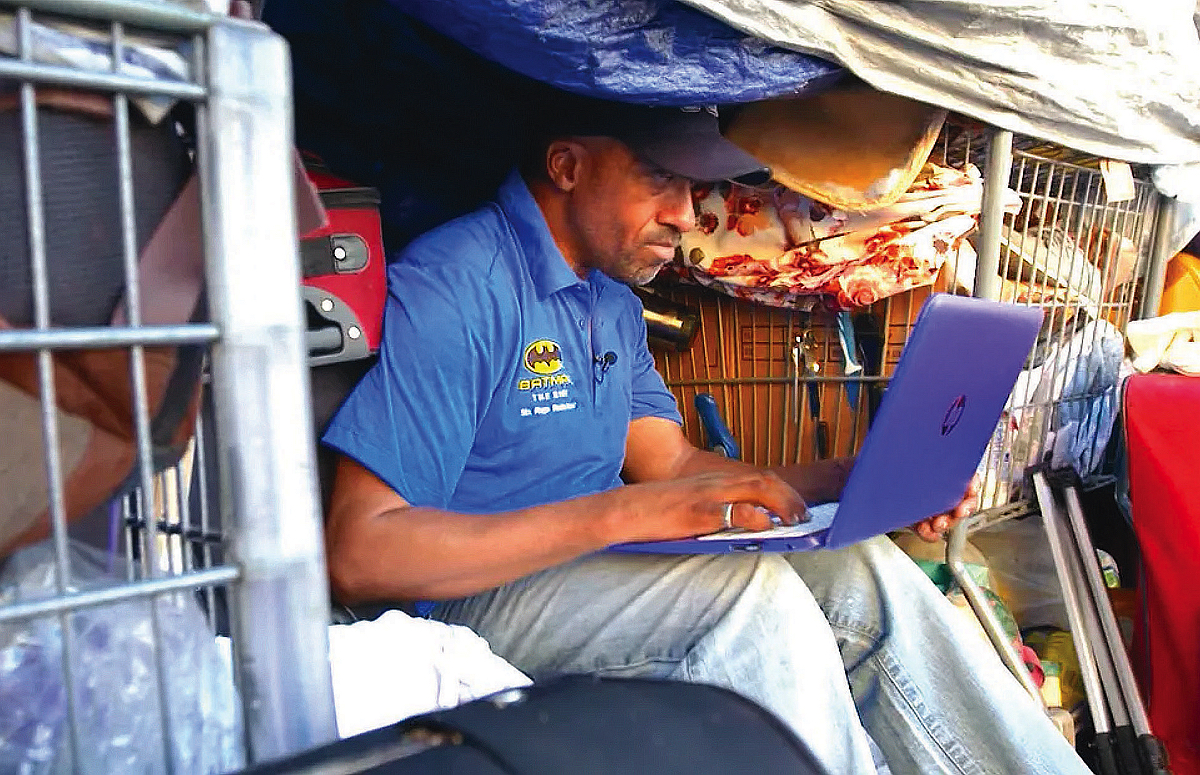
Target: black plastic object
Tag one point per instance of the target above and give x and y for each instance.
(1154, 755)
(578, 725)
(668, 323)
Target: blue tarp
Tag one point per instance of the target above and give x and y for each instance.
(657, 52)
(424, 98)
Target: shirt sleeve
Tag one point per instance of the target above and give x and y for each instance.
(650, 397)
(412, 419)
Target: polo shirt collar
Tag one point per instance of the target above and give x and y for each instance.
(547, 267)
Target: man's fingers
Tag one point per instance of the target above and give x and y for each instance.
(926, 532)
(751, 517)
(768, 492)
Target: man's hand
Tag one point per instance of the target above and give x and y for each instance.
(695, 504)
(933, 528)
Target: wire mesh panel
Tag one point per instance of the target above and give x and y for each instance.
(1079, 247)
(778, 375)
(148, 191)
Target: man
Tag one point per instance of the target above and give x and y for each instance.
(515, 426)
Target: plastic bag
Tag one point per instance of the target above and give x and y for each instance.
(1062, 408)
(114, 665)
(1022, 571)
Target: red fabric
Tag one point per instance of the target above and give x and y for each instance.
(363, 291)
(1162, 422)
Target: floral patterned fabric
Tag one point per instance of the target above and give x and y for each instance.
(777, 247)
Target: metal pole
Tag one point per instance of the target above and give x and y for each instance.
(1123, 738)
(266, 449)
(991, 216)
(1083, 648)
(991, 625)
(1150, 749)
(1156, 271)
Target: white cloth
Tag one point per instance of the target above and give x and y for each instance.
(399, 666)
(1170, 341)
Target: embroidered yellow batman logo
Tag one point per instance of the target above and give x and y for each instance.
(543, 357)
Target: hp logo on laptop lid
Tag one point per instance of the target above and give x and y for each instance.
(953, 415)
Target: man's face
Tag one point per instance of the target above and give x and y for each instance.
(627, 215)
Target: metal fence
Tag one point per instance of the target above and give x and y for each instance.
(1090, 263)
(252, 539)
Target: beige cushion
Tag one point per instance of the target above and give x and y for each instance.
(852, 147)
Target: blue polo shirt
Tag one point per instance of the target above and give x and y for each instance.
(503, 380)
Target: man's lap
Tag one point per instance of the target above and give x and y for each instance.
(614, 614)
(745, 622)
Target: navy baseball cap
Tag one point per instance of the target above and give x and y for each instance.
(684, 141)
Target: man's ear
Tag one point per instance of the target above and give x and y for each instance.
(564, 161)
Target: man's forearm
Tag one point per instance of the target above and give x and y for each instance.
(415, 553)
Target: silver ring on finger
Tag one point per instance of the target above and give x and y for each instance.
(727, 515)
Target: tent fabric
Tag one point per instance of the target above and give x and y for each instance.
(655, 52)
(1114, 78)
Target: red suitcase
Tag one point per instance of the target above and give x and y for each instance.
(1162, 426)
(344, 273)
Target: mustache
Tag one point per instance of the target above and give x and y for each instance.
(671, 237)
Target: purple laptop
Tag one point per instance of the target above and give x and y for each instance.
(933, 426)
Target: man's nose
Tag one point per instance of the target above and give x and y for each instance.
(677, 210)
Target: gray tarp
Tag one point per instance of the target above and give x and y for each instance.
(1114, 78)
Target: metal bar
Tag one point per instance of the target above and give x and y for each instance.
(200, 476)
(1156, 272)
(750, 440)
(955, 546)
(995, 181)
(1083, 648)
(147, 14)
(45, 368)
(1141, 264)
(759, 431)
(137, 377)
(83, 79)
(789, 405)
(1092, 630)
(97, 338)
(1018, 185)
(260, 386)
(1144, 221)
(73, 601)
(1057, 162)
(185, 516)
(1108, 284)
(126, 518)
(1124, 741)
(1108, 621)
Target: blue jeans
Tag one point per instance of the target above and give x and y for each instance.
(863, 636)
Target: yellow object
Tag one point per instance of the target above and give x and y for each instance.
(1056, 651)
(1052, 690)
(1181, 289)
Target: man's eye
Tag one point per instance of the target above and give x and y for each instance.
(661, 177)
